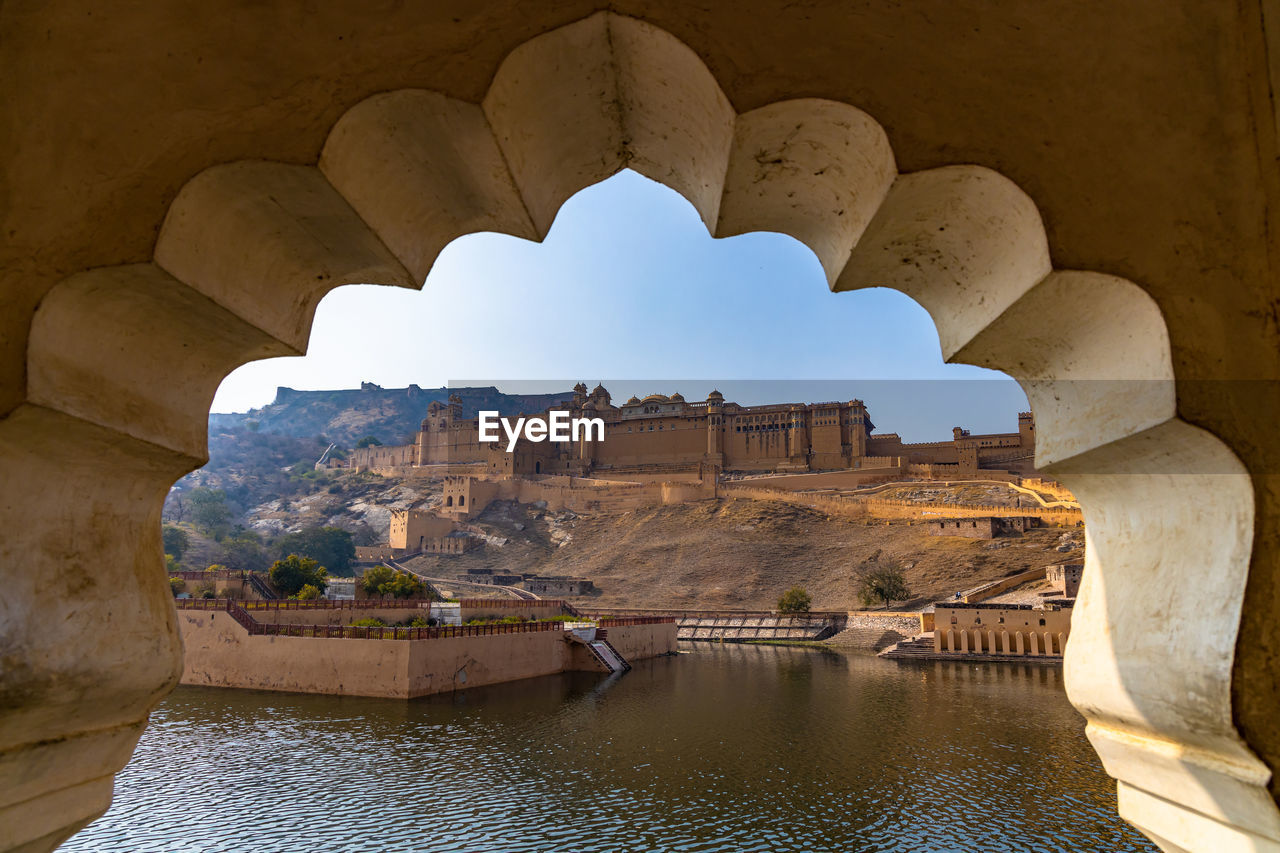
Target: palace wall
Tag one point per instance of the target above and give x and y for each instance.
(671, 433)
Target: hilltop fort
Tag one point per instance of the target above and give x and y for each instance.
(670, 436)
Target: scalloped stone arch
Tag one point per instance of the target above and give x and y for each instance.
(248, 249)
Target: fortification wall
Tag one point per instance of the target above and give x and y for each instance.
(383, 457)
(846, 479)
(854, 507)
(881, 508)
(1049, 487)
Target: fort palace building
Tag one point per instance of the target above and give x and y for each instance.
(662, 434)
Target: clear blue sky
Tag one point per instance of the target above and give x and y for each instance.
(630, 289)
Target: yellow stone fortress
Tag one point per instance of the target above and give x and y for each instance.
(670, 437)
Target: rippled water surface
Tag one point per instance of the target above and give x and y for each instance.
(726, 748)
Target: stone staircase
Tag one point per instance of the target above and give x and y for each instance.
(260, 586)
(603, 651)
(919, 648)
(863, 637)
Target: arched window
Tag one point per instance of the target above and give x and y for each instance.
(448, 501)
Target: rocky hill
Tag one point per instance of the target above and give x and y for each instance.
(740, 554)
(392, 415)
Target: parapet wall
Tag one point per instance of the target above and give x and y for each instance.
(499, 608)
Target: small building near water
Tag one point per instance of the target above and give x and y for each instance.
(1036, 630)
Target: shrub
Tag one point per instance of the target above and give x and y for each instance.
(384, 580)
(794, 600)
(206, 590)
(216, 567)
(177, 585)
(368, 623)
(308, 592)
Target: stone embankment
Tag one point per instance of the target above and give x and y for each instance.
(314, 647)
(876, 631)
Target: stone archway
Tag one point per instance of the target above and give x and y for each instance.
(123, 362)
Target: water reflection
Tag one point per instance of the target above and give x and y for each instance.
(738, 748)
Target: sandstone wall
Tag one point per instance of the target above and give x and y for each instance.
(220, 652)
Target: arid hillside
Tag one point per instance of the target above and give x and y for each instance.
(740, 553)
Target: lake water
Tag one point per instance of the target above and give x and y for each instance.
(724, 748)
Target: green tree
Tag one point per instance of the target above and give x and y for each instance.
(333, 547)
(171, 564)
(292, 573)
(885, 583)
(175, 540)
(384, 580)
(177, 585)
(368, 441)
(209, 511)
(795, 600)
(375, 577)
(308, 592)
